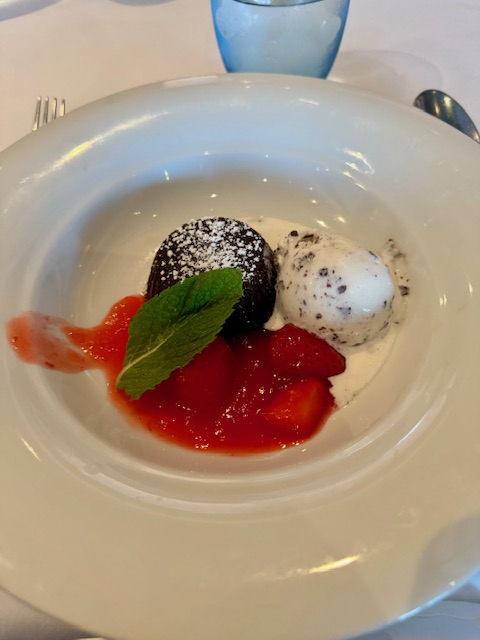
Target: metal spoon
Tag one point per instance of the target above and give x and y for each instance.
(445, 108)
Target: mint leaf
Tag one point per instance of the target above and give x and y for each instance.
(172, 327)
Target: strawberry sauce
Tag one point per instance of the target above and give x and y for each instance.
(228, 399)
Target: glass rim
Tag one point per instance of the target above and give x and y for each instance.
(277, 3)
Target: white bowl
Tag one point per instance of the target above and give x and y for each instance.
(114, 530)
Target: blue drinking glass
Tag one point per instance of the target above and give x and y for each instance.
(299, 37)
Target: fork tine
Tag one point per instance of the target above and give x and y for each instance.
(36, 119)
(63, 106)
(46, 104)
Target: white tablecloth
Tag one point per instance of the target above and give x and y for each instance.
(86, 49)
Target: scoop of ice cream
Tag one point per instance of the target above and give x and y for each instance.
(334, 287)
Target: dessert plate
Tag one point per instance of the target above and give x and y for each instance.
(110, 529)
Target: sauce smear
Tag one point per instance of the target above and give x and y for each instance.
(215, 403)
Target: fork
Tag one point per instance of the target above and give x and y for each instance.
(48, 112)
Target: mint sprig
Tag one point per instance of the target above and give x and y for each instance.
(172, 327)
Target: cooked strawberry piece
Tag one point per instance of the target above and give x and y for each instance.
(204, 383)
(301, 407)
(296, 353)
(254, 378)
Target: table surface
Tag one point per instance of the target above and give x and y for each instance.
(83, 50)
